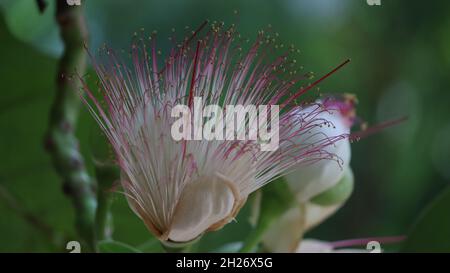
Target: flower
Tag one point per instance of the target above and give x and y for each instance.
(321, 188)
(181, 189)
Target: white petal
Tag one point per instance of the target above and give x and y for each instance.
(202, 204)
(316, 214)
(309, 180)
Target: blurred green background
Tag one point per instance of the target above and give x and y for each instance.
(400, 66)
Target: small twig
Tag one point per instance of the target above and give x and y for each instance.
(15, 205)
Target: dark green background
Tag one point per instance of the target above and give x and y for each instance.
(400, 66)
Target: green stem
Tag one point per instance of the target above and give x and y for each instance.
(276, 198)
(106, 175)
(61, 141)
(255, 237)
(103, 217)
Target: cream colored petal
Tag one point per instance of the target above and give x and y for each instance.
(202, 204)
(316, 214)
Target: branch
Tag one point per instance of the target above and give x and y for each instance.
(61, 142)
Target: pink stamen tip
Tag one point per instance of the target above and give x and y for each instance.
(196, 32)
(187, 41)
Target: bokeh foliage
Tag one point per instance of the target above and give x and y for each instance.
(400, 66)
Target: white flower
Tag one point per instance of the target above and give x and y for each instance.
(181, 189)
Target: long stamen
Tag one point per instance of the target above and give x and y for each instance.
(309, 87)
(376, 128)
(186, 42)
(194, 72)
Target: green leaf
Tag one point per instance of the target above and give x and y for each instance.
(431, 232)
(29, 25)
(338, 193)
(110, 246)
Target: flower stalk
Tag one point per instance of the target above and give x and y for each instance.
(106, 175)
(275, 200)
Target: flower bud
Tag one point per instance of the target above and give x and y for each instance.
(338, 193)
(321, 187)
(309, 180)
